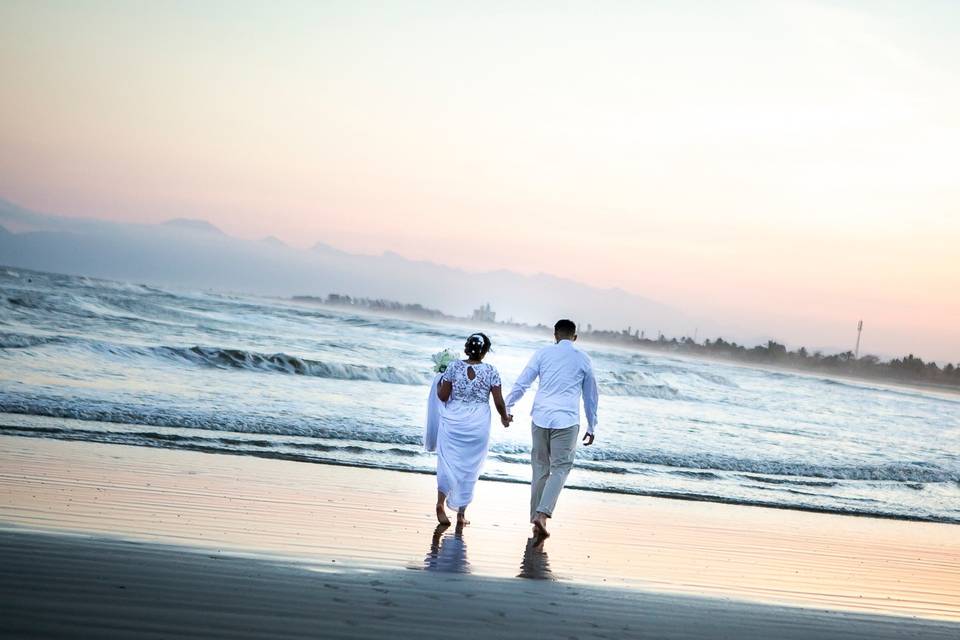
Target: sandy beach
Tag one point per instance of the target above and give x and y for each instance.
(115, 541)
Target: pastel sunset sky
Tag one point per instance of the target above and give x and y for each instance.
(785, 167)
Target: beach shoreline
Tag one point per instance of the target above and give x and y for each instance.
(7, 430)
(314, 516)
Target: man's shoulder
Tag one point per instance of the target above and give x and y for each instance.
(543, 351)
(583, 355)
(546, 349)
(561, 352)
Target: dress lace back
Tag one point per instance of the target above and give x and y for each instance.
(476, 390)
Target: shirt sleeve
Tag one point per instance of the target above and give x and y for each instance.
(494, 377)
(450, 372)
(591, 397)
(527, 376)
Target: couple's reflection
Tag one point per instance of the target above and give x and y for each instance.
(448, 553)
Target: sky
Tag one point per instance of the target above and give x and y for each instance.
(777, 168)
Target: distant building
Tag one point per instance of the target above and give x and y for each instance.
(484, 314)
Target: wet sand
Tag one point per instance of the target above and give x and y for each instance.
(107, 540)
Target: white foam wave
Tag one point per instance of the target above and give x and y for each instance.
(636, 384)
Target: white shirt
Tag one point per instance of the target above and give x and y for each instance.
(566, 374)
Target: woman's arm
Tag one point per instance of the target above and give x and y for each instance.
(501, 406)
(444, 389)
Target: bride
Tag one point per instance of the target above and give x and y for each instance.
(464, 425)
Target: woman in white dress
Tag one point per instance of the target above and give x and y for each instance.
(464, 431)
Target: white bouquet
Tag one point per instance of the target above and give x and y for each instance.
(443, 359)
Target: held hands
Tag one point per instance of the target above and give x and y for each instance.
(587, 439)
(505, 420)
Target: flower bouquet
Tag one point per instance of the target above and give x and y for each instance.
(443, 359)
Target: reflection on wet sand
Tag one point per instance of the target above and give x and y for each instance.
(535, 564)
(367, 517)
(448, 553)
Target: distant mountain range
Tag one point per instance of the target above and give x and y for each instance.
(196, 254)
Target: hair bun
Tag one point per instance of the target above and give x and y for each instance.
(477, 345)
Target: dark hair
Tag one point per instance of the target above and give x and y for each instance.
(565, 327)
(477, 346)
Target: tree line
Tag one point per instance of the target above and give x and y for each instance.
(908, 369)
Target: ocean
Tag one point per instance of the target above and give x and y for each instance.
(112, 362)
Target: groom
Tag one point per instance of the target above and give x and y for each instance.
(566, 374)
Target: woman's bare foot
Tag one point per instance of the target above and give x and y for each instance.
(441, 512)
(462, 519)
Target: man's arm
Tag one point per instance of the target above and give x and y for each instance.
(527, 376)
(591, 398)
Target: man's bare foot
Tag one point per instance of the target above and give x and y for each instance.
(442, 516)
(540, 526)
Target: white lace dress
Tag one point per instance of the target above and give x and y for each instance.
(464, 433)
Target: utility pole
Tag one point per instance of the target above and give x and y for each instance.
(856, 352)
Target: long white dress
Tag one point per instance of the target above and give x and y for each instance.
(434, 406)
(464, 433)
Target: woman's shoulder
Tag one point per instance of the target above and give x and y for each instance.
(452, 367)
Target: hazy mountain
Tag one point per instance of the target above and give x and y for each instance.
(273, 241)
(194, 253)
(193, 225)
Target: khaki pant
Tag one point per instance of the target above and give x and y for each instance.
(552, 459)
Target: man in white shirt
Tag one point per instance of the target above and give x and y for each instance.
(566, 375)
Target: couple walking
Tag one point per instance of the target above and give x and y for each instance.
(458, 420)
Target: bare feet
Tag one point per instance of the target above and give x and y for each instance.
(441, 512)
(540, 526)
(462, 519)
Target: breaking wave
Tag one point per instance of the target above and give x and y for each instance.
(226, 358)
(284, 363)
(636, 385)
